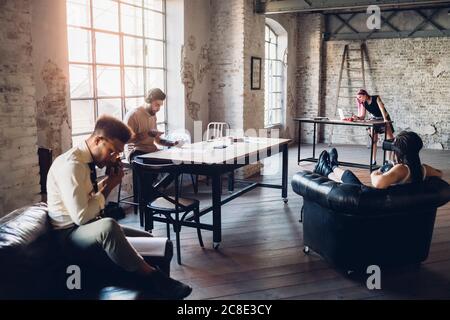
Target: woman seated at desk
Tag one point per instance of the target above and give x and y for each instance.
(376, 108)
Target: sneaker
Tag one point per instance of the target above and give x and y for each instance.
(323, 164)
(333, 158)
(166, 287)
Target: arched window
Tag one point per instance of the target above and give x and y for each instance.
(274, 75)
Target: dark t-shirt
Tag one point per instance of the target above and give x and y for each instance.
(373, 107)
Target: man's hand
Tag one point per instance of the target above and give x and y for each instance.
(115, 175)
(154, 133)
(355, 117)
(178, 143)
(112, 180)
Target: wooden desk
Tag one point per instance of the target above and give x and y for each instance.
(207, 158)
(362, 123)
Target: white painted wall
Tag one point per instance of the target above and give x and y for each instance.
(51, 74)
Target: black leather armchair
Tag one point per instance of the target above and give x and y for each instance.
(354, 226)
(32, 265)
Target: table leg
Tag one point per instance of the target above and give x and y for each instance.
(314, 141)
(385, 136)
(284, 174)
(217, 219)
(371, 149)
(231, 181)
(299, 141)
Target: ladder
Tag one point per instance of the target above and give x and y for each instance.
(352, 66)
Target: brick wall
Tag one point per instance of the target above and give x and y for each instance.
(237, 34)
(253, 103)
(413, 78)
(19, 184)
(227, 58)
(308, 77)
(253, 47)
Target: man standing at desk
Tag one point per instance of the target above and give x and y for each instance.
(143, 122)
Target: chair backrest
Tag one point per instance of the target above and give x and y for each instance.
(147, 171)
(216, 130)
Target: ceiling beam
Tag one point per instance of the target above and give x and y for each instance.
(289, 6)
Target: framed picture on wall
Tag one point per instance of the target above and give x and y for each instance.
(255, 73)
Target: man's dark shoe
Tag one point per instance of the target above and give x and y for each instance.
(165, 287)
(323, 164)
(333, 158)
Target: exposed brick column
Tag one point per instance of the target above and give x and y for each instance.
(19, 183)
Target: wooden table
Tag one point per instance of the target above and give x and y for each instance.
(361, 123)
(218, 157)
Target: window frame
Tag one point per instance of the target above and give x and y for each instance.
(94, 65)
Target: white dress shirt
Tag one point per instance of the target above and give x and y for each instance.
(70, 193)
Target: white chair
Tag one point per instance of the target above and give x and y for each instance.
(217, 130)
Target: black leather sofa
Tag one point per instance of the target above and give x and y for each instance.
(354, 226)
(32, 266)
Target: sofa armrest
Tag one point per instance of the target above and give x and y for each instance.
(328, 193)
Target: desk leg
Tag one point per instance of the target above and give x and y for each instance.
(231, 182)
(284, 173)
(371, 149)
(385, 136)
(217, 218)
(299, 141)
(314, 141)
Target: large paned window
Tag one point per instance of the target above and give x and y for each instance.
(116, 53)
(274, 80)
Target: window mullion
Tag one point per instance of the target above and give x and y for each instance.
(122, 62)
(165, 64)
(94, 60)
(145, 51)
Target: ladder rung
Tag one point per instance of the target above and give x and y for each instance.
(354, 49)
(353, 68)
(349, 87)
(353, 59)
(345, 97)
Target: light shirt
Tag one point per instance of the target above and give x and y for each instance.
(140, 121)
(70, 193)
(407, 179)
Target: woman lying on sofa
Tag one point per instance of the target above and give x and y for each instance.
(407, 167)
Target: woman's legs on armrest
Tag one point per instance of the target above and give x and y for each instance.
(345, 176)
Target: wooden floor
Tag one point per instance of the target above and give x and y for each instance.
(261, 256)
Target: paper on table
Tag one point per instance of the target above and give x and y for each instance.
(149, 246)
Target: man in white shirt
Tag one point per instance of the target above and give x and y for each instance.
(76, 200)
